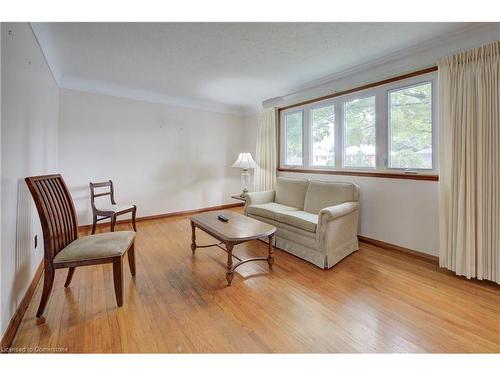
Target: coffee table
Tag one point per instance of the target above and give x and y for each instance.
(238, 229)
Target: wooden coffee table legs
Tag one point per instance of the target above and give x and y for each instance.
(193, 237)
(228, 248)
(270, 259)
(231, 268)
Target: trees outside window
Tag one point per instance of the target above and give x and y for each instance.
(359, 130)
(323, 136)
(293, 136)
(382, 128)
(410, 127)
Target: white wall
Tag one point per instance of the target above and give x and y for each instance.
(251, 124)
(162, 158)
(30, 100)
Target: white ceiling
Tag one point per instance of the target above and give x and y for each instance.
(223, 67)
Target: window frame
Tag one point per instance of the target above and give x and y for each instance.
(311, 107)
(382, 129)
(433, 120)
(285, 148)
(348, 99)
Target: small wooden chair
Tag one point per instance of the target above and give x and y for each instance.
(108, 210)
(63, 248)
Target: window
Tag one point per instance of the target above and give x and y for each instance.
(323, 136)
(359, 125)
(293, 136)
(382, 128)
(410, 127)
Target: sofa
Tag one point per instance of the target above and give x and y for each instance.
(315, 220)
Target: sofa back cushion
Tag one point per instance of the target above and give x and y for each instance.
(321, 194)
(291, 191)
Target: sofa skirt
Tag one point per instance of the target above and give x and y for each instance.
(306, 253)
(302, 245)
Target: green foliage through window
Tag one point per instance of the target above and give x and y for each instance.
(314, 133)
(410, 127)
(359, 120)
(293, 125)
(323, 136)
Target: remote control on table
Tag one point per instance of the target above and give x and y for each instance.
(223, 218)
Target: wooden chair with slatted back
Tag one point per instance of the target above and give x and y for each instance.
(62, 246)
(108, 210)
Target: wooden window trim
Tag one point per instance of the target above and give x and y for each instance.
(361, 88)
(379, 174)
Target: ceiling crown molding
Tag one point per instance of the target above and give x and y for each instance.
(120, 91)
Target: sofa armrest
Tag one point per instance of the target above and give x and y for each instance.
(339, 210)
(259, 197)
(337, 226)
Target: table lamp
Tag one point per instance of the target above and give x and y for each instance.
(244, 162)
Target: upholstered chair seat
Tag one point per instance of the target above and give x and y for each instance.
(108, 207)
(97, 246)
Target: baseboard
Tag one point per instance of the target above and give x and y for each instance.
(168, 214)
(392, 247)
(10, 333)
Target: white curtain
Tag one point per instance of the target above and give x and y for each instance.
(469, 158)
(265, 154)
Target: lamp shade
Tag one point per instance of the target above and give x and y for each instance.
(244, 161)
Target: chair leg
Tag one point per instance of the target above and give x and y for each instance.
(131, 259)
(48, 281)
(118, 280)
(133, 218)
(94, 224)
(71, 271)
(113, 222)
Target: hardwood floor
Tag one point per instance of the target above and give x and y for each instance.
(375, 300)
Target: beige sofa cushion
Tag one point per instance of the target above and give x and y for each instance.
(322, 194)
(97, 246)
(291, 192)
(268, 210)
(300, 219)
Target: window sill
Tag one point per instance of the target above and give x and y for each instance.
(378, 174)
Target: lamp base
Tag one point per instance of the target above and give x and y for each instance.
(245, 177)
